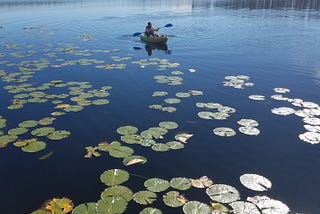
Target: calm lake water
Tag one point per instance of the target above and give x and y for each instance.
(275, 43)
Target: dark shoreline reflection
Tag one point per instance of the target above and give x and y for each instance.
(191, 4)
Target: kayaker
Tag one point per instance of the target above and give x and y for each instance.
(149, 31)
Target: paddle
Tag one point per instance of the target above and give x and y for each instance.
(167, 25)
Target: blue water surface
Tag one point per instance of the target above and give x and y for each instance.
(275, 43)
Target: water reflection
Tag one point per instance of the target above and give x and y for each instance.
(173, 4)
(150, 47)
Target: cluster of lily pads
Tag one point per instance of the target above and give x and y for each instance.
(17, 135)
(162, 64)
(146, 138)
(172, 100)
(221, 112)
(309, 112)
(239, 81)
(223, 198)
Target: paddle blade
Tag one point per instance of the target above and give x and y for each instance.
(168, 25)
(136, 34)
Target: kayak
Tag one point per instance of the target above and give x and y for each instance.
(160, 39)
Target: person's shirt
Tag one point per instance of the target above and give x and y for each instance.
(149, 31)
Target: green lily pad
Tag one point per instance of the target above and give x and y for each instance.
(111, 205)
(180, 183)
(117, 191)
(183, 95)
(157, 107)
(172, 100)
(46, 121)
(126, 130)
(150, 210)
(28, 124)
(5, 139)
(171, 199)
(73, 108)
(35, 146)
(219, 208)
(223, 193)
(86, 208)
(114, 177)
(121, 152)
(154, 132)
(196, 207)
(103, 146)
(174, 145)
(131, 138)
(44, 131)
(146, 142)
(135, 159)
(100, 102)
(159, 93)
(168, 125)
(57, 113)
(59, 135)
(255, 182)
(145, 197)
(17, 131)
(243, 207)
(169, 109)
(160, 147)
(156, 184)
(2, 122)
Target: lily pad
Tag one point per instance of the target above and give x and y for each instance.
(46, 121)
(172, 100)
(248, 122)
(249, 130)
(59, 205)
(126, 130)
(224, 132)
(283, 111)
(114, 177)
(17, 131)
(219, 208)
(131, 138)
(92, 151)
(174, 145)
(310, 137)
(44, 131)
(180, 183)
(35, 146)
(257, 97)
(135, 159)
(168, 125)
(156, 184)
(150, 210)
(28, 124)
(159, 94)
(312, 121)
(281, 90)
(171, 199)
(145, 197)
(87, 208)
(160, 147)
(59, 135)
(100, 102)
(196, 207)
(223, 193)
(202, 182)
(182, 95)
(117, 191)
(268, 205)
(243, 207)
(111, 205)
(255, 182)
(121, 152)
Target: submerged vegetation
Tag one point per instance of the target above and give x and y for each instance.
(62, 98)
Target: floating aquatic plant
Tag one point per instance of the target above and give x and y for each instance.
(114, 177)
(172, 199)
(196, 207)
(126, 130)
(117, 191)
(135, 159)
(223, 193)
(224, 132)
(156, 184)
(249, 130)
(201, 182)
(310, 137)
(92, 151)
(44, 131)
(257, 97)
(145, 197)
(243, 207)
(268, 205)
(283, 111)
(255, 182)
(180, 183)
(281, 90)
(18, 131)
(59, 135)
(150, 210)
